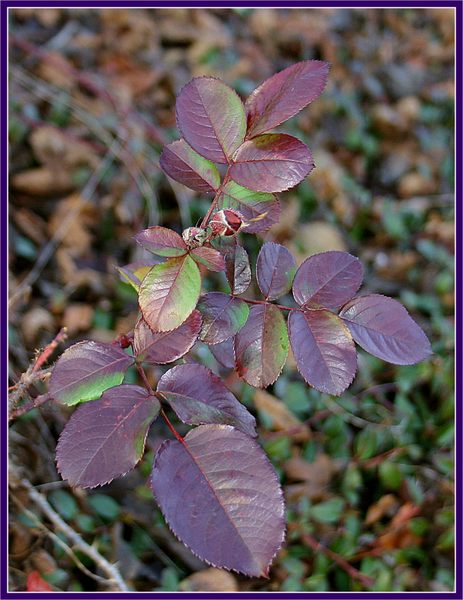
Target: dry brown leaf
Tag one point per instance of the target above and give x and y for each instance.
(35, 320)
(210, 580)
(77, 317)
(315, 237)
(57, 151)
(282, 418)
(315, 475)
(42, 181)
(384, 506)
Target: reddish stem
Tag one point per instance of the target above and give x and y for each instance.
(280, 306)
(49, 349)
(207, 216)
(147, 384)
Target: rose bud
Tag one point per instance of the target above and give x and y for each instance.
(194, 236)
(226, 222)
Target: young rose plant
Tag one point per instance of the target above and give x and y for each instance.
(216, 488)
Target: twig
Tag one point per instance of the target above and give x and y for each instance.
(43, 357)
(59, 541)
(354, 573)
(114, 576)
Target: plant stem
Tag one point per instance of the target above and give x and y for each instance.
(142, 373)
(280, 306)
(207, 216)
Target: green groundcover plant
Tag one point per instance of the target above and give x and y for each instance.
(215, 487)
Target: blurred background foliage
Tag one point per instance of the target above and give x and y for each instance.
(367, 477)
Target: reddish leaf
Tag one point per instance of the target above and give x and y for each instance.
(271, 163)
(211, 117)
(134, 273)
(224, 353)
(220, 495)
(323, 349)
(161, 348)
(327, 279)
(85, 370)
(208, 257)
(284, 95)
(223, 316)
(198, 396)
(383, 327)
(261, 346)
(35, 583)
(161, 241)
(275, 270)
(259, 209)
(169, 293)
(238, 269)
(184, 165)
(106, 438)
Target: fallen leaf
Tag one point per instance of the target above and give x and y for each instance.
(210, 580)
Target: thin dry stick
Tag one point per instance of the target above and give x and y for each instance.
(316, 546)
(109, 569)
(59, 541)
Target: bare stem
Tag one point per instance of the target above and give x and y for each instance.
(280, 306)
(207, 216)
(112, 572)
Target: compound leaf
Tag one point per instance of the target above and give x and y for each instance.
(259, 209)
(223, 316)
(237, 269)
(161, 241)
(323, 349)
(220, 495)
(84, 371)
(186, 166)
(169, 292)
(106, 438)
(284, 95)
(383, 327)
(210, 258)
(211, 117)
(165, 347)
(198, 396)
(273, 162)
(275, 270)
(134, 273)
(328, 279)
(261, 346)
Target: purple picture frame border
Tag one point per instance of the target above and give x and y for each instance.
(457, 4)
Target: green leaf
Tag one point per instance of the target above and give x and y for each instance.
(169, 293)
(64, 503)
(104, 506)
(329, 511)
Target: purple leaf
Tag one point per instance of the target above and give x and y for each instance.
(198, 396)
(221, 497)
(211, 117)
(134, 273)
(261, 346)
(223, 316)
(383, 327)
(284, 95)
(271, 163)
(169, 293)
(106, 438)
(84, 371)
(259, 209)
(184, 165)
(327, 279)
(275, 270)
(224, 353)
(238, 269)
(210, 258)
(323, 349)
(161, 241)
(161, 348)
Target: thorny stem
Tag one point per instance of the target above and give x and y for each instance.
(280, 306)
(147, 385)
(207, 216)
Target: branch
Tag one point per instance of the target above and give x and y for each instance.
(354, 573)
(114, 577)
